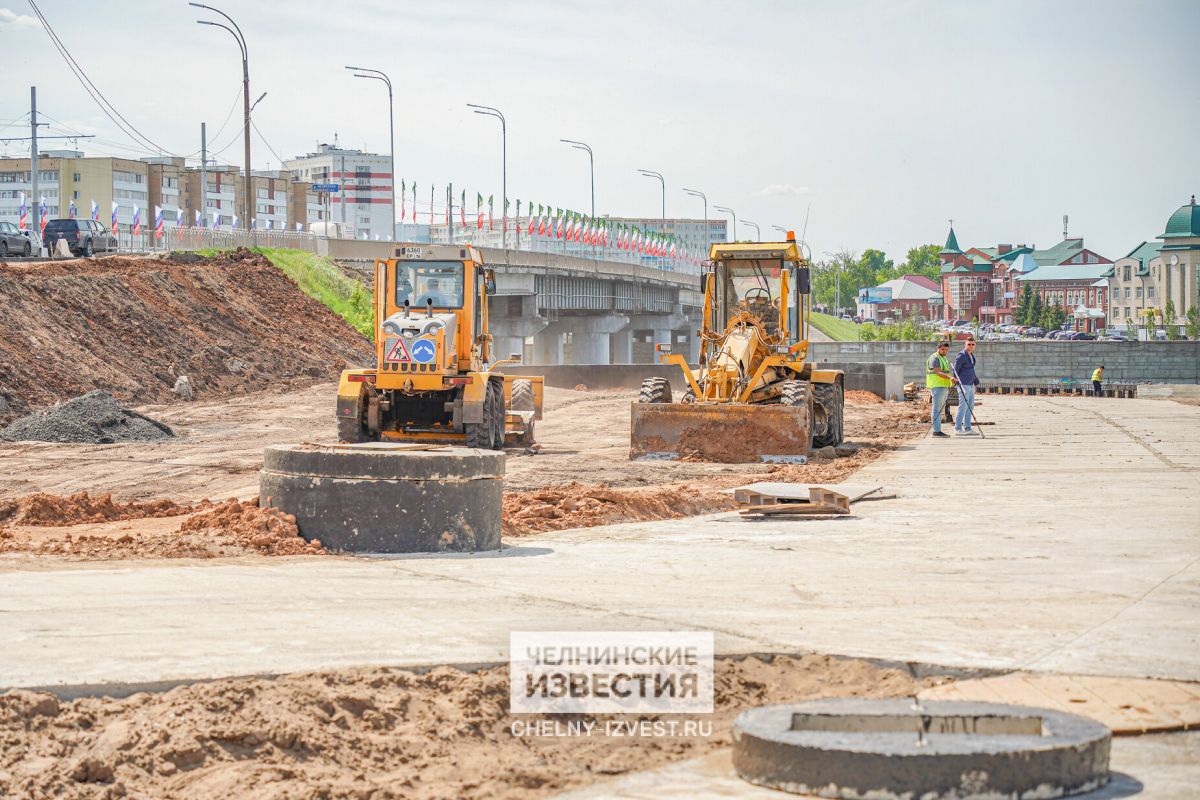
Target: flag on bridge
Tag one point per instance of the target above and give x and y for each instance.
(24, 213)
(199, 219)
(158, 222)
(414, 202)
(216, 220)
(114, 217)
(491, 197)
(42, 215)
(532, 221)
(478, 211)
(137, 219)
(71, 210)
(403, 192)
(462, 208)
(233, 223)
(95, 211)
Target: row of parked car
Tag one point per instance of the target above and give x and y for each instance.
(84, 237)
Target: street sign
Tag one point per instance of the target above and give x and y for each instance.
(325, 187)
(423, 351)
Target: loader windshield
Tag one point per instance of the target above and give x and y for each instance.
(752, 286)
(421, 281)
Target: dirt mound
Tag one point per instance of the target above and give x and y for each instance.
(231, 528)
(379, 733)
(131, 326)
(94, 418)
(860, 396)
(267, 531)
(53, 511)
(577, 506)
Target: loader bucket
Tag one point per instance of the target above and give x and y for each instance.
(730, 433)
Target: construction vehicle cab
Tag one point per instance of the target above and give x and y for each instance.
(752, 396)
(435, 377)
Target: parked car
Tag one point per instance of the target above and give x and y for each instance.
(84, 236)
(1084, 336)
(1113, 337)
(1034, 332)
(13, 242)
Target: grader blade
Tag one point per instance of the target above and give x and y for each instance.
(726, 432)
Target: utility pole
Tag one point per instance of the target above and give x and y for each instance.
(731, 213)
(203, 173)
(493, 112)
(374, 74)
(707, 233)
(449, 213)
(33, 169)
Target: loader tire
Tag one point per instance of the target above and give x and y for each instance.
(831, 399)
(482, 435)
(655, 390)
(522, 400)
(689, 396)
(795, 393)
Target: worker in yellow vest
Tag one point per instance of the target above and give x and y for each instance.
(1097, 378)
(938, 379)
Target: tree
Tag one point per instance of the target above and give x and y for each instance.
(1169, 319)
(923, 260)
(1024, 305)
(1193, 323)
(1053, 317)
(1035, 310)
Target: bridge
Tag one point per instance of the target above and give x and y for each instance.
(577, 310)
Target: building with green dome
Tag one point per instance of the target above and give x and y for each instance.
(1156, 273)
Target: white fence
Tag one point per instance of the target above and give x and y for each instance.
(206, 238)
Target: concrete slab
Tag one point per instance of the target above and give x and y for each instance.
(1066, 541)
(1155, 767)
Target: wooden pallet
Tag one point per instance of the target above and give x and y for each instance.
(787, 499)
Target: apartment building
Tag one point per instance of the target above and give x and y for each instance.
(363, 202)
(67, 176)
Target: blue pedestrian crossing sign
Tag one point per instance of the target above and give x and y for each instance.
(423, 351)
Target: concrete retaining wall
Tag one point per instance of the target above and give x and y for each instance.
(1035, 361)
(884, 380)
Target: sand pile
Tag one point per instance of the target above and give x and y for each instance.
(102, 530)
(54, 511)
(577, 506)
(860, 396)
(377, 733)
(94, 418)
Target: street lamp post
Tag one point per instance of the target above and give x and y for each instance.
(236, 32)
(652, 174)
(374, 74)
(729, 211)
(781, 229)
(707, 243)
(757, 230)
(591, 167)
(494, 112)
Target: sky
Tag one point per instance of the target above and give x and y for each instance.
(886, 119)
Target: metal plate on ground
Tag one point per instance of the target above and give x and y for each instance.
(1128, 706)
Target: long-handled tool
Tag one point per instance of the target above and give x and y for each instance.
(940, 411)
(970, 403)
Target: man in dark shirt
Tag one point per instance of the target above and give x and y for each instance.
(964, 370)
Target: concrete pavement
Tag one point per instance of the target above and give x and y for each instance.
(1068, 540)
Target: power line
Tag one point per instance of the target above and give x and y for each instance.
(268, 144)
(108, 108)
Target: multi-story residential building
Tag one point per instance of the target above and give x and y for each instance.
(66, 176)
(1081, 290)
(363, 202)
(985, 282)
(219, 205)
(164, 185)
(1154, 274)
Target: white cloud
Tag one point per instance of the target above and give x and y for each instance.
(777, 189)
(15, 20)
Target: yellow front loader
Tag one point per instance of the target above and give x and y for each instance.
(435, 377)
(752, 397)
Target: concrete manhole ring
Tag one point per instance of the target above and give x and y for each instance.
(851, 748)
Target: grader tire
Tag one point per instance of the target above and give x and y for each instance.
(522, 400)
(655, 390)
(354, 430)
(482, 434)
(496, 386)
(832, 399)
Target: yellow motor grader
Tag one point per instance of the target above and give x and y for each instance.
(435, 377)
(752, 397)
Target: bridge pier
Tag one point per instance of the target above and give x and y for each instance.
(548, 345)
(590, 337)
(620, 345)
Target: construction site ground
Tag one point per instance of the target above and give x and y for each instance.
(151, 658)
(1066, 541)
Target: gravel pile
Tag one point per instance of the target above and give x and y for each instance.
(94, 418)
